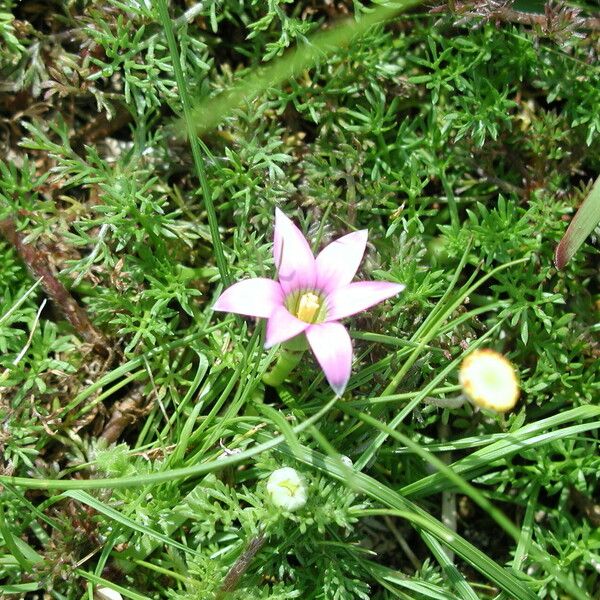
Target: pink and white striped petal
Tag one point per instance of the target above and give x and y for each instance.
(294, 259)
(332, 347)
(283, 326)
(356, 297)
(253, 297)
(338, 262)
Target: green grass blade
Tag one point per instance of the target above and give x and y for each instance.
(17, 547)
(507, 579)
(528, 436)
(429, 333)
(188, 117)
(583, 223)
(95, 579)
(459, 583)
(20, 588)
(210, 112)
(115, 515)
(163, 476)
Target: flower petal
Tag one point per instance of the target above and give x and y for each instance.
(283, 326)
(294, 259)
(254, 297)
(338, 262)
(358, 296)
(333, 349)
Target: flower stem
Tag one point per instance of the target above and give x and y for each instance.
(289, 356)
(286, 362)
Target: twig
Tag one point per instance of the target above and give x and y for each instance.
(525, 18)
(586, 505)
(503, 185)
(124, 413)
(39, 266)
(416, 563)
(241, 566)
(500, 10)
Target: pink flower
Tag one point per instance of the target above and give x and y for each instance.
(311, 296)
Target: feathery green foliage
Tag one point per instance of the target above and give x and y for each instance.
(145, 146)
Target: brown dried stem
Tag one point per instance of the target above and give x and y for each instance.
(241, 566)
(502, 11)
(124, 413)
(39, 266)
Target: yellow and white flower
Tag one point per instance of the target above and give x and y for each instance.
(489, 380)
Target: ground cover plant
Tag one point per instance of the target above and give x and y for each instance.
(146, 146)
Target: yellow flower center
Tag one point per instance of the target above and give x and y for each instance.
(306, 305)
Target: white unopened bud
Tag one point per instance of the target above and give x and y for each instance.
(347, 461)
(489, 380)
(287, 489)
(106, 593)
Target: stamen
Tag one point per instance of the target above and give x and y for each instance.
(308, 307)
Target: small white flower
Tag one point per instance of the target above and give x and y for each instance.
(489, 380)
(287, 489)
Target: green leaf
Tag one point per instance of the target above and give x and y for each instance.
(25, 555)
(20, 588)
(583, 223)
(109, 584)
